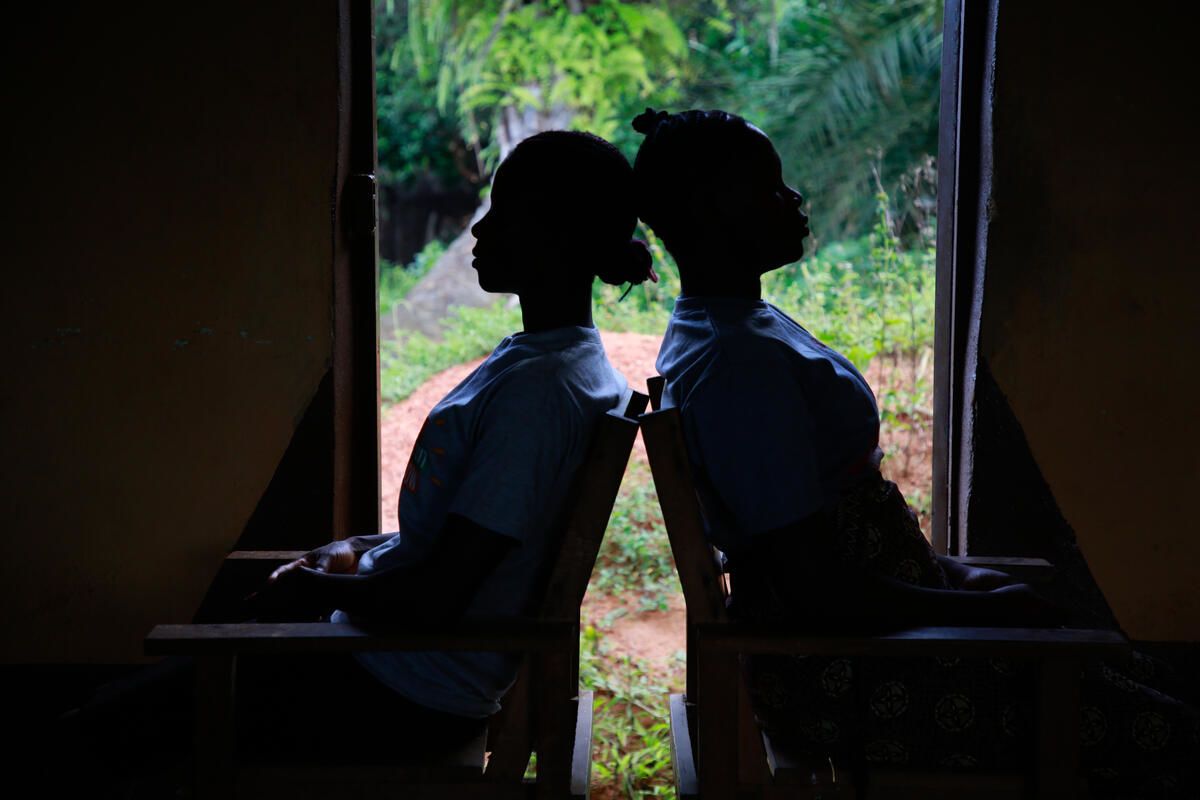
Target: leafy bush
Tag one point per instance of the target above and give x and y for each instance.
(409, 361)
(396, 281)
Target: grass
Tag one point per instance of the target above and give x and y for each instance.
(636, 557)
(396, 280)
(631, 745)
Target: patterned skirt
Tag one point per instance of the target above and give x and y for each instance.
(1138, 739)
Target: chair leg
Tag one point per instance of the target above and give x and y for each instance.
(581, 751)
(717, 748)
(687, 786)
(753, 769)
(214, 726)
(1058, 729)
(554, 685)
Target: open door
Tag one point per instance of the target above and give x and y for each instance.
(327, 484)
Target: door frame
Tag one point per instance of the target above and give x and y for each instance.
(964, 191)
(356, 482)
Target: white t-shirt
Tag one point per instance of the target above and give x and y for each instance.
(773, 419)
(501, 449)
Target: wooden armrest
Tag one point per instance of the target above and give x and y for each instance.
(502, 635)
(1029, 570)
(282, 556)
(946, 642)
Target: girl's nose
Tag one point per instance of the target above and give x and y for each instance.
(478, 227)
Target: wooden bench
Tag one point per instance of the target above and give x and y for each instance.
(543, 713)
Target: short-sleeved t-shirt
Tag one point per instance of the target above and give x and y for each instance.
(501, 450)
(774, 421)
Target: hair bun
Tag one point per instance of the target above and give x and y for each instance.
(641, 262)
(648, 121)
(631, 263)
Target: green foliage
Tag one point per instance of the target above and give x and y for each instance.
(631, 746)
(830, 81)
(864, 297)
(837, 84)
(490, 55)
(411, 360)
(395, 281)
(415, 139)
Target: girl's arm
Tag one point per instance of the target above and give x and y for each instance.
(440, 587)
(827, 591)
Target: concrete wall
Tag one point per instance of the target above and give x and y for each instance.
(1092, 289)
(167, 293)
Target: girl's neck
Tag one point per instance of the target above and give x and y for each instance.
(719, 274)
(708, 284)
(543, 310)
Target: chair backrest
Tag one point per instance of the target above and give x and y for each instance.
(589, 505)
(701, 579)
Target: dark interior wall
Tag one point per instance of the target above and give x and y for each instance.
(169, 170)
(1092, 294)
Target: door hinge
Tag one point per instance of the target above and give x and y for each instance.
(361, 207)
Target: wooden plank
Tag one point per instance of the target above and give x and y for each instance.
(716, 723)
(636, 404)
(1029, 570)
(510, 736)
(687, 783)
(752, 765)
(592, 497)
(283, 556)
(655, 386)
(900, 784)
(581, 754)
(360, 781)
(555, 684)
(1017, 643)
(701, 582)
(505, 635)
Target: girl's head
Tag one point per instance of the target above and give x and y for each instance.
(711, 185)
(561, 212)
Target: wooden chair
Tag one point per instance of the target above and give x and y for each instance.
(718, 748)
(544, 712)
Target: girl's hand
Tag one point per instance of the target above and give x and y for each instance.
(979, 579)
(336, 558)
(1024, 606)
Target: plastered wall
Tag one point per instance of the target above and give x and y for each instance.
(167, 256)
(1092, 297)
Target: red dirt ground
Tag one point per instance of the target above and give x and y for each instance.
(653, 637)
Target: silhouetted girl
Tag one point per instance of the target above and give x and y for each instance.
(489, 472)
(783, 434)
